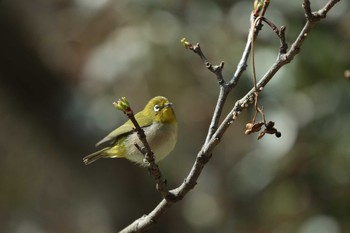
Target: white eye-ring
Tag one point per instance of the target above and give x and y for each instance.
(156, 108)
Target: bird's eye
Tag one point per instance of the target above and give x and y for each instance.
(156, 108)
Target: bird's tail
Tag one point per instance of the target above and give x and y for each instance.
(94, 156)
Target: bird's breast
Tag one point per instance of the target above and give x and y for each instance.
(161, 137)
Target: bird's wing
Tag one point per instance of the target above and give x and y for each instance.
(127, 128)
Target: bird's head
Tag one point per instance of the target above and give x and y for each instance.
(160, 110)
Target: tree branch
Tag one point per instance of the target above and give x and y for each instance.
(242, 65)
(144, 223)
(124, 106)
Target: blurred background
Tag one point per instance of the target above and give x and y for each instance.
(63, 63)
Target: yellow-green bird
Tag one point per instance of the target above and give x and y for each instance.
(158, 121)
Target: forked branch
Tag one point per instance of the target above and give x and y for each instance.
(216, 131)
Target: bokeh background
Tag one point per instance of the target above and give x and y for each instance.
(63, 63)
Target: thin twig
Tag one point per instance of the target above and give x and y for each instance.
(146, 150)
(216, 69)
(307, 8)
(284, 45)
(253, 126)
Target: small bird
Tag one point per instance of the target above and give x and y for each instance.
(159, 123)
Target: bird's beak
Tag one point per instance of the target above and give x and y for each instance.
(168, 105)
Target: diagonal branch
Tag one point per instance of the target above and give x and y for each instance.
(123, 105)
(215, 69)
(144, 223)
(242, 65)
(282, 60)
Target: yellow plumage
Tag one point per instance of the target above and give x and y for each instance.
(159, 123)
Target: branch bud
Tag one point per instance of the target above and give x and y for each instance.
(185, 43)
(123, 105)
